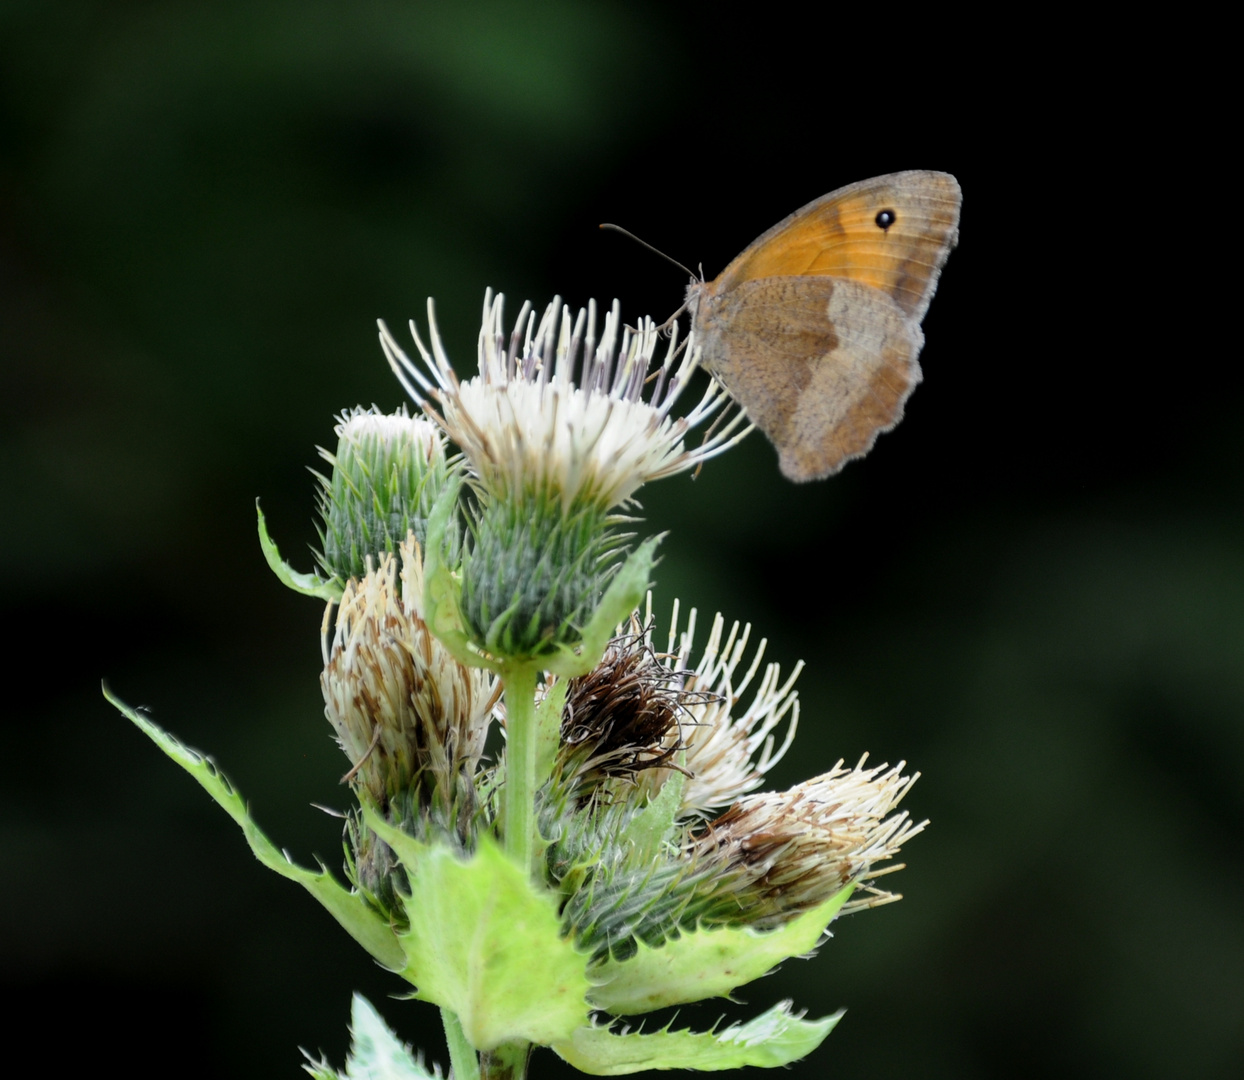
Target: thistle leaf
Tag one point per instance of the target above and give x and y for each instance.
(486, 944)
(705, 963)
(360, 921)
(442, 592)
(650, 828)
(307, 584)
(775, 1038)
(375, 1052)
(548, 729)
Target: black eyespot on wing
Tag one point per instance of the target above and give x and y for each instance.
(885, 218)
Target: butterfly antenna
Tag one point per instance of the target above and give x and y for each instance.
(644, 243)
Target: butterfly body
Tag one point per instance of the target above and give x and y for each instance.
(815, 327)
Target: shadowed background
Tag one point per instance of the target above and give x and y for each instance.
(1033, 590)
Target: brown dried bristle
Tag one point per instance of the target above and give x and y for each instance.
(627, 714)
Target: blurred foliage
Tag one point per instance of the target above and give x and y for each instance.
(1033, 590)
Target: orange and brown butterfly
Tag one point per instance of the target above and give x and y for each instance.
(815, 328)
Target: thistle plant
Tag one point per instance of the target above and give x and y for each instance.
(613, 854)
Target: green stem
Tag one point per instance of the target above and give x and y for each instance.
(518, 816)
(461, 1052)
(507, 1062)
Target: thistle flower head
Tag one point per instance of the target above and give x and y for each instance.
(406, 713)
(386, 474)
(780, 853)
(643, 711)
(525, 423)
(557, 435)
(624, 717)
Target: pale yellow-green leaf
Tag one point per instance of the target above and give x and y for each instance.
(362, 922)
(486, 943)
(548, 730)
(705, 963)
(441, 589)
(307, 584)
(650, 828)
(375, 1052)
(773, 1039)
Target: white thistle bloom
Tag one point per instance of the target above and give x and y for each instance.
(359, 425)
(728, 751)
(526, 424)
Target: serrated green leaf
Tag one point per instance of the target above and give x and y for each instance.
(649, 829)
(625, 593)
(442, 591)
(704, 963)
(375, 1052)
(320, 1070)
(307, 584)
(486, 944)
(549, 730)
(773, 1039)
(360, 921)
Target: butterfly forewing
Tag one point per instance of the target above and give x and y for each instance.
(839, 235)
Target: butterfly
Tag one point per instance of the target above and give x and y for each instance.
(815, 328)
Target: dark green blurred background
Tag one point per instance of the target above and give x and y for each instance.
(1033, 590)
